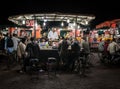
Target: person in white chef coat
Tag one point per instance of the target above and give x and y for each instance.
(52, 34)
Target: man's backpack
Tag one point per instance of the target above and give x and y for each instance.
(10, 42)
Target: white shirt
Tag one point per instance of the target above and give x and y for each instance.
(52, 35)
(113, 47)
(21, 49)
(15, 41)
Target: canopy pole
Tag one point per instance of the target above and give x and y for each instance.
(34, 27)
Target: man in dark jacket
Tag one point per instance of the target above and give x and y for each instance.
(33, 51)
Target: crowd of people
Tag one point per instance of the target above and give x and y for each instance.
(17, 49)
(28, 48)
(109, 49)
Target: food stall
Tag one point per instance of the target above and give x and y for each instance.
(106, 30)
(67, 25)
(44, 20)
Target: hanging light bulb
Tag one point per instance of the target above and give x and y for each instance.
(62, 24)
(23, 22)
(42, 17)
(68, 21)
(44, 24)
(45, 20)
(86, 22)
(74, 23)
(36, 24)
(78, 26)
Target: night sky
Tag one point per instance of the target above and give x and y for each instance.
(101, 9)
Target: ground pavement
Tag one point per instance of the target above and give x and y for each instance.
(98, 77)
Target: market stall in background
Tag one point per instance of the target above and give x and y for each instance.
(71, 26)
(65, 24)
(105, 31)
(110, 29)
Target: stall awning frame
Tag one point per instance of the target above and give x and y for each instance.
(78, 18)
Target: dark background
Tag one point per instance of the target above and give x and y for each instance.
(102, 9)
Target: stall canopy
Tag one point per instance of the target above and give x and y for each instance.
(108, 24)
(44, 17)
(12, 24)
